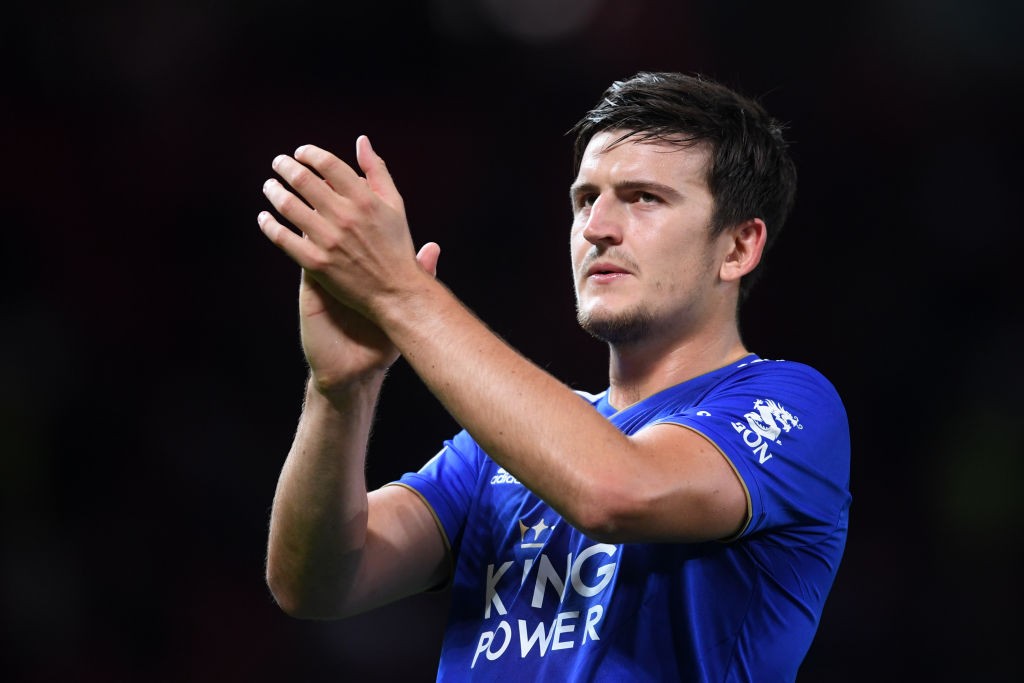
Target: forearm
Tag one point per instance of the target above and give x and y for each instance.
(528, 421)
(319, 515)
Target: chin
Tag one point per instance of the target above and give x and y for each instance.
(616, 328)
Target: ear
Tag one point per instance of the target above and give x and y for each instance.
(744, 247)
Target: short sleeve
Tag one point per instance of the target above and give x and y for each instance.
(448, 482)
(783, 427)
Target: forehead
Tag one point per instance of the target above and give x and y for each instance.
(632, 157)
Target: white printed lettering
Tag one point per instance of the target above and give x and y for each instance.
(546, 574)
(487, 637)
(758, 445)
(560, 627)
(568, 629)
(762, 453)
(594, 615)
(539, 635)
(746, 438)
(492, 593)
(604, 572)
(485, 641)
(527, 566)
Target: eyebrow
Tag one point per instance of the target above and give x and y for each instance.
(651, 186)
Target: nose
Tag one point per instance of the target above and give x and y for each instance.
(604, 222)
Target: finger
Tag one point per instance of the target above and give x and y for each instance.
(377, 174)
(306, 183)
(291, 207)
(334, 171)
(428, 256)
(300, 250)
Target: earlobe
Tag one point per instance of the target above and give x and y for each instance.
(745, 246)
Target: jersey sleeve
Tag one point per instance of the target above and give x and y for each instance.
(784, 429)
(447, 483)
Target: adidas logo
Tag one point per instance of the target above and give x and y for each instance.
(503, 477)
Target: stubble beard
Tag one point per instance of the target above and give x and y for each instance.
(624, 328)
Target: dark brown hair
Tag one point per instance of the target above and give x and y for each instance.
(750, 174)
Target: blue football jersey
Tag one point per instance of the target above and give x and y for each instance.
(536, 600)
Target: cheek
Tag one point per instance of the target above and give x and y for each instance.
(682, 270)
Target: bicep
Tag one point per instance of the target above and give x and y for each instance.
(405, 551)
(689, 490)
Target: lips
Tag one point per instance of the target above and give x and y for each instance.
(605, 268)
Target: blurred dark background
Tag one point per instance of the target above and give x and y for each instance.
(150, 370)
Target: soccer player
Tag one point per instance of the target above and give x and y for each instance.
(685, 524)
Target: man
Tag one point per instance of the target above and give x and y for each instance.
(685, 524)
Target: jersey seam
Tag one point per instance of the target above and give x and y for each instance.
(449, 555)
(743, 483)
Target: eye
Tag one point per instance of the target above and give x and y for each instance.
(647, 198)
(585, 199)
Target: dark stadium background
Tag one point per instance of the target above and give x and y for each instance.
(150, 371)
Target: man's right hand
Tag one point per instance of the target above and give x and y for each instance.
(342, 346)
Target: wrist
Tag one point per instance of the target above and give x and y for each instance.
(341, 394)
(412, 307)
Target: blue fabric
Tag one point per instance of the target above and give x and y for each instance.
(534, 599)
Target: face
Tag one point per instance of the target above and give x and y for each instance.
(644, 261)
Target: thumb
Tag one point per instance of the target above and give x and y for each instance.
(377, 174)
(427, 257)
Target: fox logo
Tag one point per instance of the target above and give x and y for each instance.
(770, 419)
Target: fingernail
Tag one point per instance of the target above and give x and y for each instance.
(267, 185)
(300, 149)
(277, 160)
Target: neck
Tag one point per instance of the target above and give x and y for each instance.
(644, 368)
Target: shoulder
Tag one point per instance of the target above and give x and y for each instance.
(770, 396)
(784, 375)
(778, 367)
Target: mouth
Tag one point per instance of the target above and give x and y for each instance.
(604, 269)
